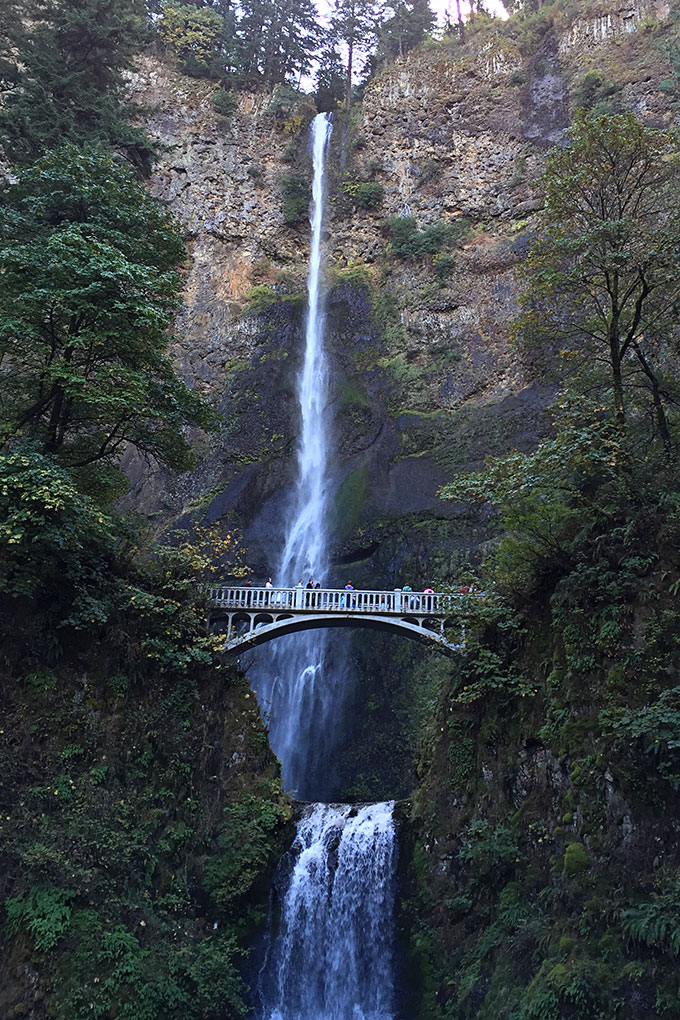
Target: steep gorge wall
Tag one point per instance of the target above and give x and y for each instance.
(452, 134)
(424, 377)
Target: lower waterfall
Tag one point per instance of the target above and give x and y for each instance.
(332, 955)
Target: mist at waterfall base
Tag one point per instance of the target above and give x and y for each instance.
(328, 953)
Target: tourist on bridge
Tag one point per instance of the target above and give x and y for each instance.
(310, 587)
(268, 587)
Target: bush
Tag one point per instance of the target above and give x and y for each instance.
(595, 92)
(410, 243)
(295, 193)
(224, 103)
(365, 194)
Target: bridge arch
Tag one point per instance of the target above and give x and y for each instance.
(254, 616)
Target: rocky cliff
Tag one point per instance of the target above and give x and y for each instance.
(426, 381)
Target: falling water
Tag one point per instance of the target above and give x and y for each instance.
(332, 958)
(305, 551)
(300, 694)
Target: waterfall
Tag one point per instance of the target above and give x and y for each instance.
(301, 695)
(332, 958)
(329, 956)
(305, 551)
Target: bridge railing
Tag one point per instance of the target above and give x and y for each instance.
(329, 600)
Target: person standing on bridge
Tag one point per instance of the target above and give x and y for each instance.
(268, 587)
(310, 587)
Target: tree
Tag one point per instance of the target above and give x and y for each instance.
(405, 25)
(602, 277)
(353, 23)
(330, 80)
(193, 35)
(63, 72)
(88, 261)
(278, 40)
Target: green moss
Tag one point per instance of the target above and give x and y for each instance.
(576, 861)
(351, 500)
(261, 298)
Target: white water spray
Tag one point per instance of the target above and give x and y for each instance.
(332, 958)
(305, 551)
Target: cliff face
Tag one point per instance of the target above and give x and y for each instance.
(421, 358)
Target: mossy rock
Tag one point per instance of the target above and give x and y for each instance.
(576, 860)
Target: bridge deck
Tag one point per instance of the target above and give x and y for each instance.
(334, 600)
(256, 615)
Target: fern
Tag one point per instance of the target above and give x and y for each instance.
(44, 913)
(656, 923)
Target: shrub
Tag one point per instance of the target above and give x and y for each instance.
(410, 243)
(365, 194)
(443, 266)
(224, 103)
(295, 194)
(595, 92)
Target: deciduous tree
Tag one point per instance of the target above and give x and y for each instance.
(602, 277)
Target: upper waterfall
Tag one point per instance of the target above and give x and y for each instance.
(305, 550)
(300, 694)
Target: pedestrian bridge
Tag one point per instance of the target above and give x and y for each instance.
(252, 616)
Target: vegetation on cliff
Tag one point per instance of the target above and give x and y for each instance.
(141, 811)
(546, 859)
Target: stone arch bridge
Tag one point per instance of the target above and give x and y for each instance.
(252, 616)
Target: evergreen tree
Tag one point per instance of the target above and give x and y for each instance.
(406, 24)
(88, 261)
(278, 40)
(330, 80)
(63, 65)
(353, 23)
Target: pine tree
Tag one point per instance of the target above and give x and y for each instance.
(353, 22)
(406, 24)
(278, 40)
(330, 80)
(64, 63)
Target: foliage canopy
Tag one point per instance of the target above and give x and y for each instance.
(89, 291)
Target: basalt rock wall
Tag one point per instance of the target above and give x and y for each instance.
(424, 378)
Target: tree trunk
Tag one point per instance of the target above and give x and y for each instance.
(348, 86)
(617, 381)
(659, 412)
(461, 27)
